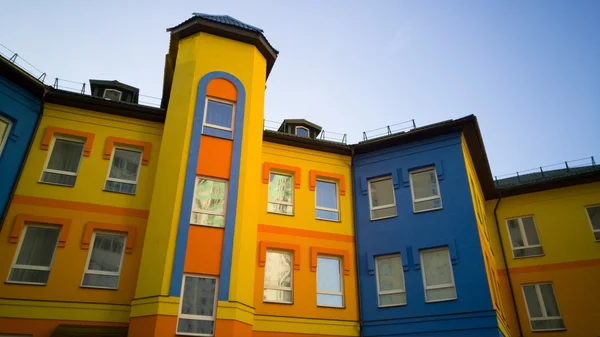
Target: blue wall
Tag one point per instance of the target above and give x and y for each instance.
(23, 109)
(472, 313)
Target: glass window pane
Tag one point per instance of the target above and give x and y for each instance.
(60, 179)
(424, 184)
(208, 219)
(28, 275)
(326, 195)
(436, 267)
(104, 281)
(210, 196)
(328, 274)
(549, 324)
(38, 246)
(383, 212)
(515, 233)
(278, 270)
(272, 295)
(522, 252)
(279, 208)
(280, 188)
(597, 235)
(219, 114)
(107, 252)
(382, 192)
(116, 186)
(428, 204)
(125, 165)
(65, 155)
(549, 300)
(594, 213)
(328, 215)
(199, 296)
(530, 232)
(390, 273)
(440, 294)
(330, 300)
(533, 305)
(392, 299)
(195, 326)
(302, 132)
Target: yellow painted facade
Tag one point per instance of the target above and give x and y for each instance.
(571, 260)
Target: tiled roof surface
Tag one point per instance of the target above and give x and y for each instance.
(228, 20)
(539, 177)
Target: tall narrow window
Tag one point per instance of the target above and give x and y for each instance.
(327, 201)
(63, 161)
(5, 125)
(425, 190)
(281, 194)
(524, 237)
(124, 170)
(103, 267)
(35, 255)
(209, 202)
(329, 282)
(542, 307)
(437, 275)
(198, 306)
(278, 277)
(302, 131)
(593, 213)
(382, 200)
(219, 114)
(390, 280)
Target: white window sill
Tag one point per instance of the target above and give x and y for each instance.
(118, 192)
(528, 256)
(97, 287)
(25, 283)
(203, 225)
(328, 220)
(549, 330)
(55, 184)
(392, 306)
(385, 217)
(280, 213)
(443, 300)
(275, 302)
(330, 306)
(427, 210)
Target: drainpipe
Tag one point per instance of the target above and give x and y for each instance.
(360, 322)
(14, 188)
(512, 292)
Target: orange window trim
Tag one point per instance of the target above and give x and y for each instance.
(264, 245)
(316, 251)
(21, 219)
(110, 143)
(90, 227)
(51, 130)
(305, 233)
(339, 177)
(268, 167)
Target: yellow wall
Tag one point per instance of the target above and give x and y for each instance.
(571, 258)
(488, 254)
(84, 203)
(302, 229)
(93, 169)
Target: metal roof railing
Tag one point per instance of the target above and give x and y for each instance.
(389, 130)
(29, 68)
(324, 135)
(558, 170)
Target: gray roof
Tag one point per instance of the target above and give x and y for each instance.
(228, 20)
(544, 176)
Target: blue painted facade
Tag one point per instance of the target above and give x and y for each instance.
(190, 179)
(23, 110)
(454, 226)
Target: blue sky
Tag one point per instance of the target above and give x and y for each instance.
(529, 70)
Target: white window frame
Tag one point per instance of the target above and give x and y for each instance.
(540, 299)
(24, 266)
(291, 288)
(137, 175)
(281, 202)
(371, 208)
(112, 90)
(204, 123)
(209, 212)
(439, 286)
(594, 231)
(412, 192)
(4, 139)
(51, 149)
(325, 292)
(100, 272)
(304, 128)
(337, 202)
(389, 292)
(197, 317)
(524, 236)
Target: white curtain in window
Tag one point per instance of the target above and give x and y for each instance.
(125, 165)
(327, 198)
(438, 275)
(382, 192)
(106, 257)
(219, 114)
(278, 277)
(37, 250)
(198, 300)
(329, 282)
(65, 157)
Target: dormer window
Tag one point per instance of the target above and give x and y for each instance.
(112, 94)
(302, 131)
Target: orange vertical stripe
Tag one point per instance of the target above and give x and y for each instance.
(214, 158)
(203, 254)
